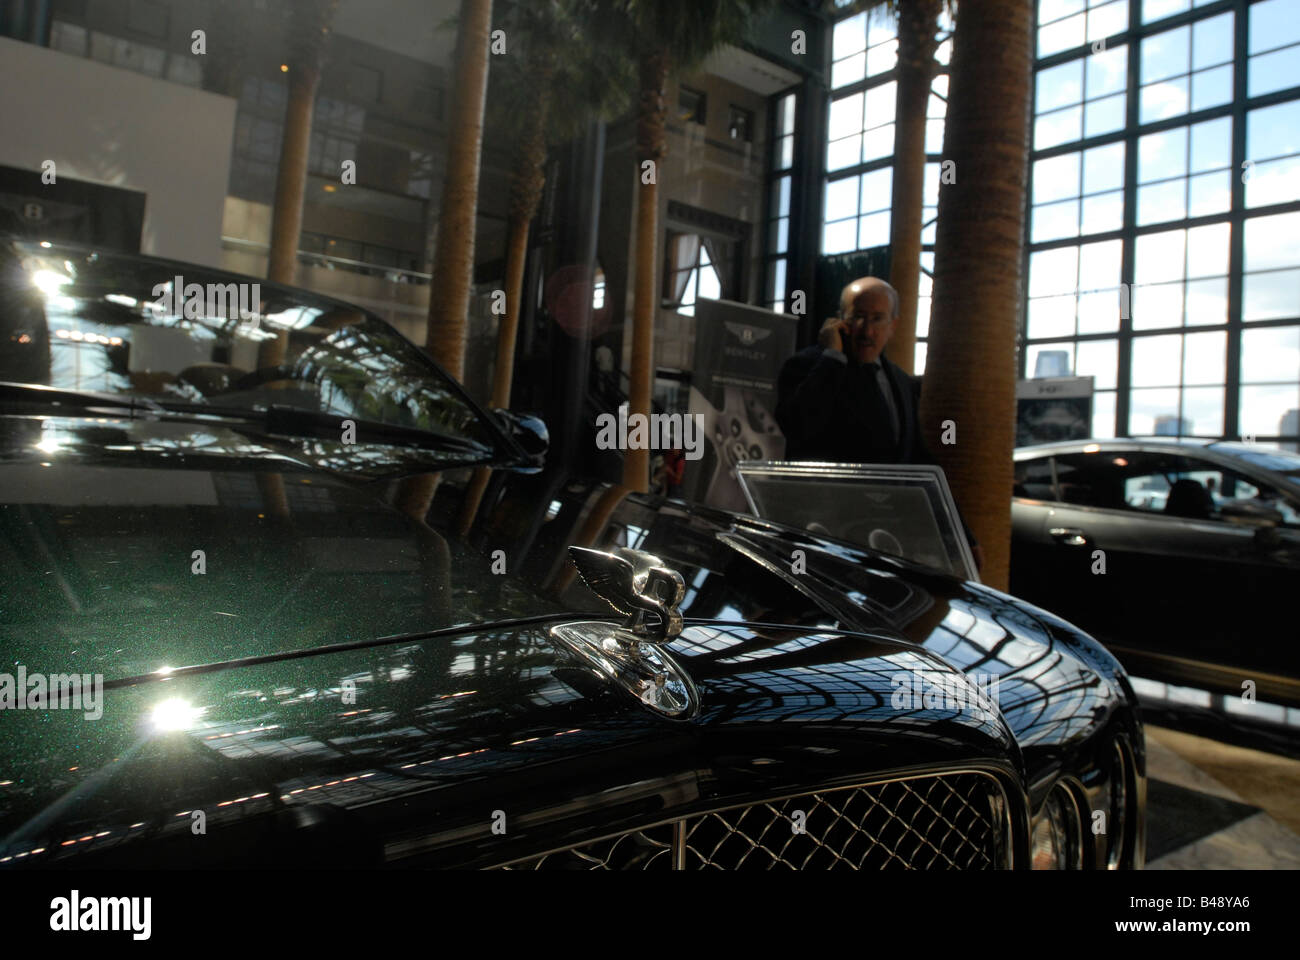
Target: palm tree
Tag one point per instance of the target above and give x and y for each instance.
(661, 36)
(310, 22)
(558, 59)
(453, 259)
(917, 43)
(971, 363)
(309, 25)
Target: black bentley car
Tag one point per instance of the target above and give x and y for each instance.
(345, 617)
(1179, 556)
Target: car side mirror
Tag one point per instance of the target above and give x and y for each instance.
(529, 433)
(1250, 513)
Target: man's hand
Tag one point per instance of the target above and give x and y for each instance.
(833, 334)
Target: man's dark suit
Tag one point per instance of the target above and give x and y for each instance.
(828, 411)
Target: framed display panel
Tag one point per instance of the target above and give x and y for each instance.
(904, 510)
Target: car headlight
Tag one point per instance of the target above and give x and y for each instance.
(1056, 833)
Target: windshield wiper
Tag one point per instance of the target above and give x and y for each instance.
(78, 399)
(275, 420)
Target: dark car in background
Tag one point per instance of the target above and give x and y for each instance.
(1182, 557)
(300, 670)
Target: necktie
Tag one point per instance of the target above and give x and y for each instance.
(880, 397)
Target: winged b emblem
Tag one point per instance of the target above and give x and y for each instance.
(635, 583)
(748, 335)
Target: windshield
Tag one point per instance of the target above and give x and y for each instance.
(88, 321)
(1279, 461)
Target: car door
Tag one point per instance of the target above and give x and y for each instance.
(1087, 566)
(1172, 586)
(1260, 563)
(1032, 551)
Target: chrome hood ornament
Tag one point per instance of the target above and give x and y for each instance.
(635, 583)
(633, 656)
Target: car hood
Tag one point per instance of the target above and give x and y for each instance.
(269, 626)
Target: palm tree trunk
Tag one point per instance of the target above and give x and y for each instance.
(453, 259)
(650, 145)
(527, 180)
(970, 374)
(917, 22)
(291, 176)
(310, 23)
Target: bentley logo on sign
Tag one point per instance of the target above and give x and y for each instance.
(748, 335)
(646, 591)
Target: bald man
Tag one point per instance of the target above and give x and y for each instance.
(841, 399)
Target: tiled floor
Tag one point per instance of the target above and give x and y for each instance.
(1229, 836)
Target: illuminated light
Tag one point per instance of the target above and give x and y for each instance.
(102, 833)
(174, 715)
(121, 299)
(5, 859)
(49, 281)
(284, 68)
(1120, 462)
(6, 783)
(49, 444)
(114, 341)
(36, 851)
(330, 188)
(24, 338)
(259, 796)
(70, 769)
(77, 335)
(135, 825)
(61, 334)
(1092, 448)
(67, 843)
(225, 803)
(45, 244)
(20, 856)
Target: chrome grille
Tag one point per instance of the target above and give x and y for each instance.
(949, 821)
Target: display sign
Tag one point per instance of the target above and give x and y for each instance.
(739, 351)
(905, 510)
(1051, 409)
